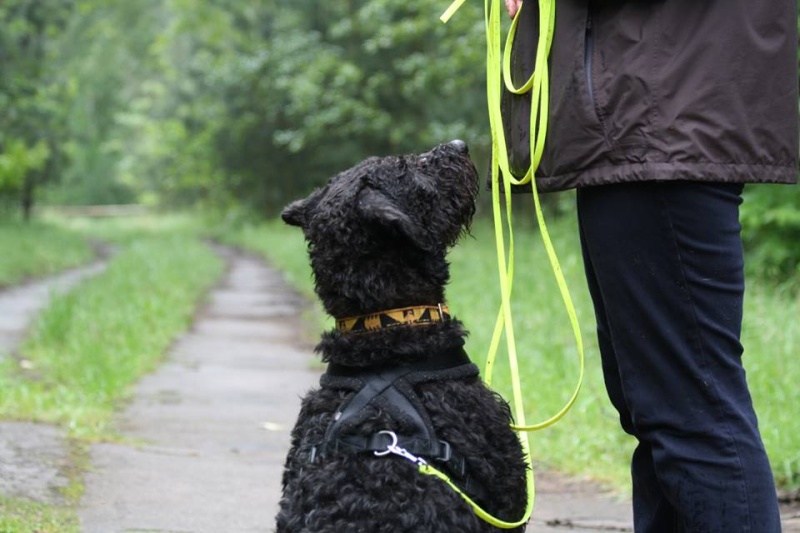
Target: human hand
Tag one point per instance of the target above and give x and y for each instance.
(512, 6)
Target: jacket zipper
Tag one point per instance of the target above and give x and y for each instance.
(587, 57)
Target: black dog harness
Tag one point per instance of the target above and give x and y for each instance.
(392, 390)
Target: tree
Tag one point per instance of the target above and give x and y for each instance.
(29, 96)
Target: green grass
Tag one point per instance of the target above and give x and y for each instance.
(20, 516)
(588, 441)
(125, 230)
(89, 346)
(771, 337)
(37, 249)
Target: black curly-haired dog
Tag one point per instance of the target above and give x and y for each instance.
(397, 372)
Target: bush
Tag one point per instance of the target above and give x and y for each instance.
(771, 231)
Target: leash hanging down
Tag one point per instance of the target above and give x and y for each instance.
(498, 71)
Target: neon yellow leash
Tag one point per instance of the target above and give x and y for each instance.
(538, 84)
(498, 68)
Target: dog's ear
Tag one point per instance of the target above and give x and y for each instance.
(377, 208)
(299, 212)
(294, 214)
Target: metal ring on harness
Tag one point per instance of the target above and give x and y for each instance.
(391, 445)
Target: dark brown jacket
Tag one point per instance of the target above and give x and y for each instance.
(672, 89)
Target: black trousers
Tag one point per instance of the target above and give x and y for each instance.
(664, 266)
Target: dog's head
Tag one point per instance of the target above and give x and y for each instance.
(387, 223)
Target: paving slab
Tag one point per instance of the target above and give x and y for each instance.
(581, 505)
(33, 461)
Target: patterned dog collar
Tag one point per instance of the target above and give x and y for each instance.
(404, 316)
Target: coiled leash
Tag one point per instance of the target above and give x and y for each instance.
(497, 70)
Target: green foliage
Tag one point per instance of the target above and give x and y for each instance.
(771, 230)
(31, 94)
(38, 249)
(225, 103)
(19, 159)
(89, 346)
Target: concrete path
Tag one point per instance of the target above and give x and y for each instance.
(33, 457)
(208, 432)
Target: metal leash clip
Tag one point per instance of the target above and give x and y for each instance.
(393, 448)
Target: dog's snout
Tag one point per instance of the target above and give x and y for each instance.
(459, 145)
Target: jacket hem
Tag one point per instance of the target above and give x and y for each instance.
(709, 172)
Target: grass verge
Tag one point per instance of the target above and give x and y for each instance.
(37, 249)
(20, 516)
(588, 441)
(771, 339)
(89, 346)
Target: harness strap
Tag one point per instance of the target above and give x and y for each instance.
(393, 388)
(439, 451)
(379, 385)
(438, 366)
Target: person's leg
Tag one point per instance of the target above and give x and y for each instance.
(666, 263)
(651, 509)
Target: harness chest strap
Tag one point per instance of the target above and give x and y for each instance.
(393, 388)
(438, 452)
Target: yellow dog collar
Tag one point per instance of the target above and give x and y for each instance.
(403, 316)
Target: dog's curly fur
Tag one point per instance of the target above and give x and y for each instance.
(378, 235)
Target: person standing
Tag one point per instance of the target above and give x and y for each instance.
(660, 112)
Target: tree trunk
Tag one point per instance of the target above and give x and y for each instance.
(27, 197)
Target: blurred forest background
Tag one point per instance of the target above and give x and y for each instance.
(244, 105)
(224, 102)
